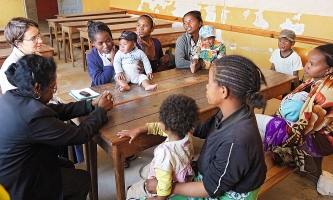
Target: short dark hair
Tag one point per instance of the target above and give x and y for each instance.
(16, 28)
(241, 76)
(179, 114)
(196, 14)
(150, 19)
(31, 69)
(327, 50)
(95, 28)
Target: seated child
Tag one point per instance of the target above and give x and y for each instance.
(284, 59)
(125, 63)
(292, 105)
(208, 49)
(172, 159)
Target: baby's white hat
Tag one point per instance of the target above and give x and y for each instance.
(207, 31)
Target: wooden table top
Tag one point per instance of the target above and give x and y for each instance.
(132, 26)
(84, 23)
(85, 18)
(91, 13)
(4, 53)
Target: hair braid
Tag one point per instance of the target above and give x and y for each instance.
(241, 76)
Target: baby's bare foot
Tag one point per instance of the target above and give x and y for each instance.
(124, 88)
(151, 87)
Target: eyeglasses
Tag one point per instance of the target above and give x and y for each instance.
(55, 88)
(34, 39)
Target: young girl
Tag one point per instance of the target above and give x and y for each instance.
(231, 163)
(125, 64)
(100, 58)
(172, 159)
(152, 46)
(187, 43)
(24, 36)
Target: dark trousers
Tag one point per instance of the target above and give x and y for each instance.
(75, 182)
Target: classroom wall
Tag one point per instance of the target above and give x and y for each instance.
(10, 9)
(308, 18)
(95, 5)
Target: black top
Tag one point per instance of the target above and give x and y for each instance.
(30, 134)
(232, 156)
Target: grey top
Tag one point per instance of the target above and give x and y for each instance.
(183, 54)
(132, 57)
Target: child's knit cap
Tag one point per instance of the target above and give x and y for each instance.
(206, 31)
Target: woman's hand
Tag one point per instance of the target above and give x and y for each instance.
(121, 76)
(150, 76)
(105, 100)
(112, 53)
(129, 133)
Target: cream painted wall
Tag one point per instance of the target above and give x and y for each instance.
(10, 9)
(259, 14)
(95, 5)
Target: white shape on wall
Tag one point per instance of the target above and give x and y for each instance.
(297, 17)
(211, 13)
(224, 15)
(297, 28)
(154, 3)
(182, 7)
(246, 13)
(218, 34)
(260, 21)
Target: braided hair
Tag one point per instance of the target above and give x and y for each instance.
(96, 27)
(242, 77)
(327, 50)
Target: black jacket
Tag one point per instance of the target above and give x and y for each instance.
(232, 156)
(30, 134)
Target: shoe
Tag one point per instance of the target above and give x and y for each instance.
(132, 157)
(127, 163)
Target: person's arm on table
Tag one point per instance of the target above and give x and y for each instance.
(150, 128)
(99, 74)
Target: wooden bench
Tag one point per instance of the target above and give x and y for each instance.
(275, 173)
(3, 43)
(2, 30)
(54, 24)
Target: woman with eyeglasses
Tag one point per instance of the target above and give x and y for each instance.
(24, 36)
(32, 130)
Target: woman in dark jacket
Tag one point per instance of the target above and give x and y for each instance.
(31, 131)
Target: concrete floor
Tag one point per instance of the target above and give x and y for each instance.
(293, 187)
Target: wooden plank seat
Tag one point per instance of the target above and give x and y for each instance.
(275, 173)
(106, 12)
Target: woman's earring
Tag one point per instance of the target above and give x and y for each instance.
(36, 95)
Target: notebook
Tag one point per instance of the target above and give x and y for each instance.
(76, 94)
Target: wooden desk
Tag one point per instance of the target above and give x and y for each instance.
(3, 43)
(54, 23)
(166, 36)
(68, 28)
(106, 12)
(136, 107)
(4, 53)
(2, 30)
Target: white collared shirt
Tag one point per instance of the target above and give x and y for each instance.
(12, 58)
